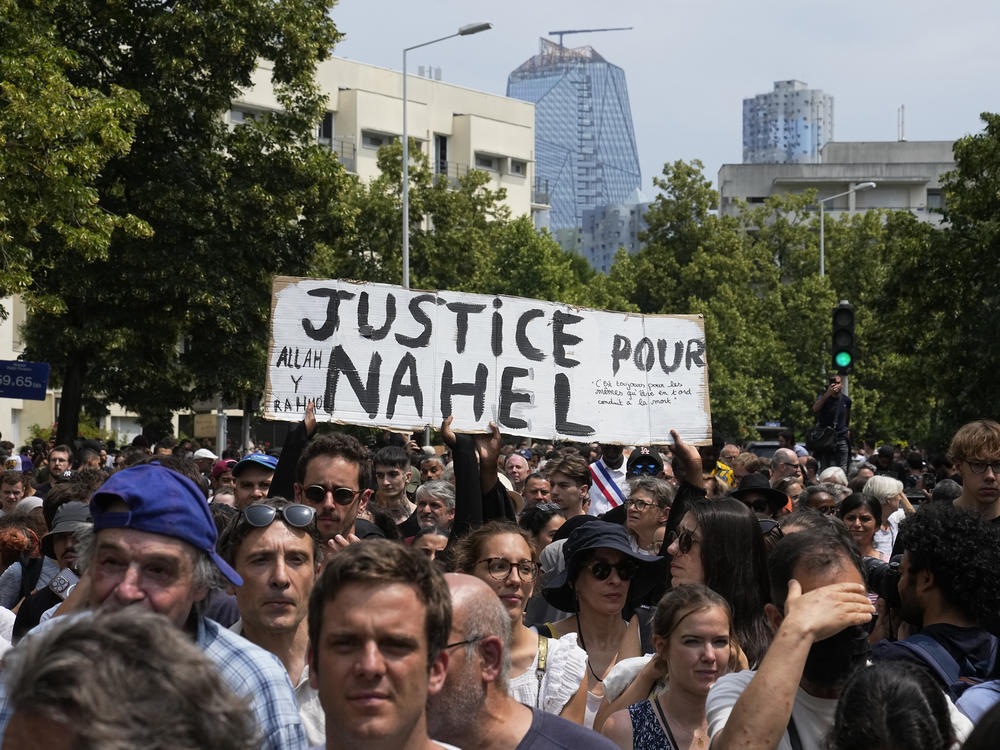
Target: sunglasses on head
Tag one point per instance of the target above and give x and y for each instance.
(295, 515)
(601, 569)
(316, 493)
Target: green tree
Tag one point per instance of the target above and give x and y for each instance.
(182, 315)
(56, 136)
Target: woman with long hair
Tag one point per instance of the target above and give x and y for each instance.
(693, 638)
(719, 544)
(545, 672)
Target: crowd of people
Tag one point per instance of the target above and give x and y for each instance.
(501, 593)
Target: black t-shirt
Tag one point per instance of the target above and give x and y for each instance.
(836, 413)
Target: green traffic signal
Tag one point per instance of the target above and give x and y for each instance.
(843, 359)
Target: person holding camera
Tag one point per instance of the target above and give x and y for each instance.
(833, 411)
(949, 597)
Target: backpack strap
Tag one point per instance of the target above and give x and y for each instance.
(937, 657)
(543, 654)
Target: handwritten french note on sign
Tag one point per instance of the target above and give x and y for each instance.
(384, 356)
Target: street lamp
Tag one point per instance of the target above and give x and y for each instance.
(822, 201)
(472, 28)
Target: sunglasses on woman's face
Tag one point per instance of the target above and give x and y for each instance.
(685, 541)
(626, 568)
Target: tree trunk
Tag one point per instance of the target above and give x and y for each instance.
(72, 397)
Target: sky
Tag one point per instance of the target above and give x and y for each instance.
(690, 63)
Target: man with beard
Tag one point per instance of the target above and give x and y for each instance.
(949, 589)
(333, 476)
(818, 590)
(473, 709)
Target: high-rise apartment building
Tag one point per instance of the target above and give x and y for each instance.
(788, 125)
(584, 140)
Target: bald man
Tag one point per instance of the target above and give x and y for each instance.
(474, 709)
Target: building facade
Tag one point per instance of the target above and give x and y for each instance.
(606, 229)
(585, 146)
(907, 176)
(789, 125)
(459, 129)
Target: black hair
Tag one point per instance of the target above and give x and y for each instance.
(961, 551)
(856, 500)
(536, 518)
(735, 563)
(394, 456)
(892, 704)
(987, 729)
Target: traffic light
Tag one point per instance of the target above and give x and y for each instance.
(843, 338)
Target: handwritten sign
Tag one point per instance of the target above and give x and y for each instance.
(384, 356)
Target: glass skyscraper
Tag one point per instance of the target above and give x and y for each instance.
(584, 141)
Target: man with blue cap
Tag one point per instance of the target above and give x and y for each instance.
(154, 547)
(253, 477)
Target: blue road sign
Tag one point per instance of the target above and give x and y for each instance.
(23, 379)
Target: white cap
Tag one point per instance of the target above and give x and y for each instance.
(205, 453)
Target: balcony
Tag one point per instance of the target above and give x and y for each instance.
(345, 149)
(540, 192)
(450, 170)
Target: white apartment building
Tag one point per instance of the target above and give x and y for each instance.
(457, 128)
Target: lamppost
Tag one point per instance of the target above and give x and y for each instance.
(472, 28)
(822, 202)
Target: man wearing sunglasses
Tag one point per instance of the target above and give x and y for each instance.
(153, 547)
(275, 547)
(333, 476)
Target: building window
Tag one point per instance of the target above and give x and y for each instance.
(935, 200)
(486, 161)
(325, 130)
(371, 139)
(518, 167)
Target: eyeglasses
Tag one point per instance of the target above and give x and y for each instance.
(549, 507)
(979, 467)
(790, 463)
(639, 505)
(499, 568)
(466, 642)
(295, 515)
(626, 568)
(316, 493)
(685, 541)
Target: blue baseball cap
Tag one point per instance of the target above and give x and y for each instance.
(160, 501)
(255, 459)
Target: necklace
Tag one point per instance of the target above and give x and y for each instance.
(699, 741)
(583, 645)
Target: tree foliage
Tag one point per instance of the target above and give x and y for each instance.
(165, 319)
(56, 136)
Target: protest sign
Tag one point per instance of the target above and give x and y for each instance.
(385, 356)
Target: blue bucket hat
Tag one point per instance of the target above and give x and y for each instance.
(598, 534)
(160, 501)
(255, 459)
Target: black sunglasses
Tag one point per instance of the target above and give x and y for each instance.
(685, 541)
(649, 469)
(601, 569)
(295, 515)
(316, 493)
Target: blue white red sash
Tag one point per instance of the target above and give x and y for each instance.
(606, 483)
